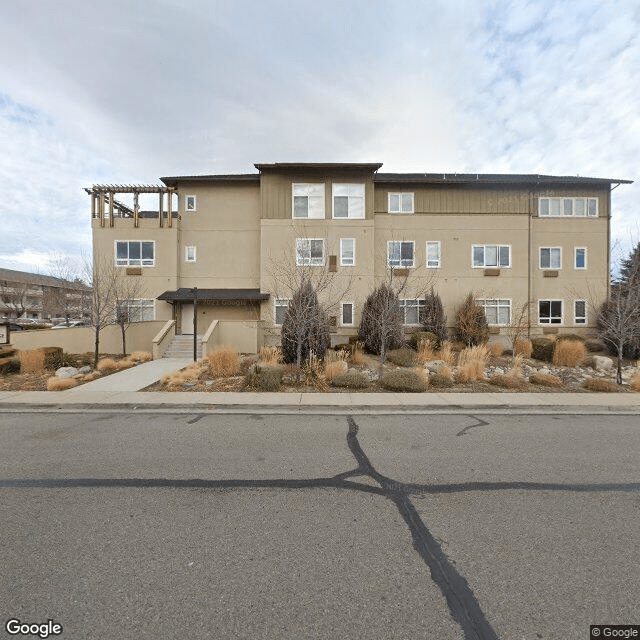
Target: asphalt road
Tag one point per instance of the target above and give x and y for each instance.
(159, 525)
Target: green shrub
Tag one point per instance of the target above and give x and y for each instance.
(404, 357)
(438, 380)
(264, 378)
(404, 380)
(55, 359)
(595, 346)
(9, 365)
(542, 349)
(381, 321)
(433, 318)
(471, 324)
(351, 379)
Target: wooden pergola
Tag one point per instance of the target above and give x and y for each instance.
(103, 196)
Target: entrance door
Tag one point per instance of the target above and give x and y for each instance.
(187, 319)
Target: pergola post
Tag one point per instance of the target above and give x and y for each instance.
(170, 207)
(101, 208)
(111, 208)
(161, 199)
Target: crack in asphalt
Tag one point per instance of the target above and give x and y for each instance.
(463, 605)
(480, 423)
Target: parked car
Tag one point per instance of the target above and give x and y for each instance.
(71, 323)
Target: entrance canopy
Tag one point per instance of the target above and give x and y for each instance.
(220, 296)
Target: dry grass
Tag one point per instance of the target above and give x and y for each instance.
(140, 356)
(469, 371)
(424, 375)
(545, 379)
(313, 373)
(108, 364)
(271, 356)
(523, 348)
(446, 353)
(425, 351)
(634, 383)
(357, 356)
(479, 352)
(597, 384)
(445, 371)
(516, 367)
(334, 368)
(60, 384)
(507, 381)
(223, 362)
(569, 353)
(32, 361)
(496, 349)
(191, 373)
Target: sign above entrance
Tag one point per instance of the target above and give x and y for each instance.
(4, 334)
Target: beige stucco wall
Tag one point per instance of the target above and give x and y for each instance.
(81, 339)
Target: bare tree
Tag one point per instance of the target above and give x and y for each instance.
(129, 292)
(518, 327)
(69, 297)
(13, 295)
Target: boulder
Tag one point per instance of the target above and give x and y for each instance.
(66, 372)
(84, 370)
(601, 363)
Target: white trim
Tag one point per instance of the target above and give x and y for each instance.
(562, 312)
(497, 305)
(140, 307)
(302, 262)
(275, 305)
(563, 203)
(401, 266)
(549, 268)
(186, 253)
(187, 208)
(485, 265)
(426, 255)
(353, 313)
(575, 258)
(308, 190)
(399, 194)
(348, 187)
(420, 304)
(575, 317)
(346, 264)
(122, 263)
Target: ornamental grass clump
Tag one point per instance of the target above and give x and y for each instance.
(425, 352)
(523, 347)
(223, 362)
(32, 361)
(334, 368)
(140, 356)
(569, 353)
(597, 384)
(545, 379)
(60, 384)
(507, 381)
(271, 356)
(634, 383)
(404, 380)
(446, 353)
(351, 379)
(107, 365)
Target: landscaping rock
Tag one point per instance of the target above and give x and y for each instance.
(66, 372)
(542, 349)
(601, 363)
(434, 366)
(84, 370)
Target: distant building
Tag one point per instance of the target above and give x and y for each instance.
(31, 295)
(509, 239)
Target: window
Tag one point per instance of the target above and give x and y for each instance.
(346, 313)
(281, 306)
(411, 310)
(433, 254)
(401, 203)
(190, 203)
(560, 207)
(347, 252)
(348, 200)
(400, 254)
(491, 255)
(550, 311)
(550, 258)
(308, 200)
(189, 254)
(580, 261)
(497, 312)
(135, 254)
(310, 251)
(579, 312)
(136, 310)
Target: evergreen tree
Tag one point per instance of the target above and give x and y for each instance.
(381, 324)
(432, 316)
(471, 323)
(630, 268)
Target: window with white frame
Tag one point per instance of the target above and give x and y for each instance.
(496, 311)
(280, 310)
(190, 203)
(491, 255)
(550, 311)
(433, 254)
(411, 310)
(579, 312)
(561, 207)
(580, 260)
(348, 200)
(190, 254)
(135, 253)
(346, 315)
(347, 252)
(136, 310)
(401, 203)
(400, 253)
(550, 258)
(308, 200)
(310, 251)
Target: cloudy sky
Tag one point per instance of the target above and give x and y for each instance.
(130, 90)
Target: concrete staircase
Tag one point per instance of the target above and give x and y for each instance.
(182, 347)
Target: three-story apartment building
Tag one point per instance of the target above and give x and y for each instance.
(240, 243)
